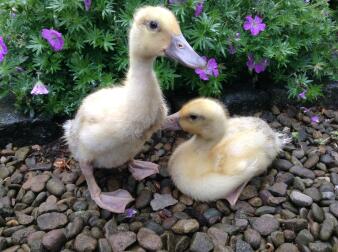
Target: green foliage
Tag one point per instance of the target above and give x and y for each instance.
(299, 42)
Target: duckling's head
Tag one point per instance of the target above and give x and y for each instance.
(156, 32)
(203, 117)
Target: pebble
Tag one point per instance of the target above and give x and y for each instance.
(162, 201)
(252, 237)
(54, 240)
(55, 187)
(120, 241)
(227, 228)
(304, 237)
(28, 198)
(51, 220)
(148, 239)
(265, 224)
(278, 189)
(201, 242)
(300, 199)
(103, 246)
(248, 192)
(287, 247)
(277, 238)
(317, 212)
(242, 246)
(334, 209)
(20, 236)
(302, 172)
(320, 247)
(311, 161)
(36, 183)
(326, 229)
(22, 153)
(84, 243)
(218, 237)
(265, 210)
(212, 215)
(4, 172)
(34, 241)
(282, 164)
(314, 193)
(74, 228)
(24, 219)
(48, 206)
(143, 199)
(294, 224)
(185, 226)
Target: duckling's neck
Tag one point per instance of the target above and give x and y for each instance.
(140, 69)
(209, 137)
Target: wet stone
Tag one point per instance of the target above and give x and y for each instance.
(201, 243)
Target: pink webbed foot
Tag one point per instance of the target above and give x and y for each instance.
(115, 202)
(233, 196)
(142, 169)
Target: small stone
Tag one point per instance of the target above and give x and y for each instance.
(84, 243)
(265, 210)
(256, 202)
(227, 228)
(80, 205)
(28, 198)
(74, 228)
(282, 164)
(278, 189)
(304, 237)
(300, 199)
(104, 245)
(48, 206)
(36, 183)
(148, 239)
(16, 177)
(34, 241)
(20, 236)
(121, 240)
(302, 172)
(241, 223)
(217, 236)
(185, 226)
(22, 153)
(186, 200)
(299, 153)
(265, 224)
(52, 220)
(311, 161)
(252, 237)
(212, 215)
(334, 178)
(54, 240)
(157, 228)
(55, 187)
(285, 177)
(317, 212)
(182, 243)
(294, 224)
(248, 192)
(24, 219)
(287, 247)
(277, 238)
(201, 243)
(298, 184)
(320, 247)
(242, 246)
(143, 199)
(222, 207)
(334, 209)
(314, 193)
(162, 201)
(326, 230)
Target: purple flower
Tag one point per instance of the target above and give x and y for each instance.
(255, 25)
(258, 67)
(315, 119)
(39, 89)
(3, 49)
(87, 4)
(302, 95)
(232, 49)
(199, 9)
(130, 212)
(210, 70)
(54, 38)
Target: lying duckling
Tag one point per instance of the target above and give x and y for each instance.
(112, 124)
(223, 154)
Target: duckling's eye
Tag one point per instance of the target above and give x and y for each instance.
(193, 117)
(153, 25)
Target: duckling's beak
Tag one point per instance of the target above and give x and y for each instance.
(180, 50)
(172, 122)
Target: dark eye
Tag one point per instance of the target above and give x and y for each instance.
(193, 117)
(153, 25)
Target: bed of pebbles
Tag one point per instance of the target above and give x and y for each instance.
(45, 204)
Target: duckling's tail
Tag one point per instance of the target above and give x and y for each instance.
(282, 139)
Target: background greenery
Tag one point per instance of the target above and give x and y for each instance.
(300, 42)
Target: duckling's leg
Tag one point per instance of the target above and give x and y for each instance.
(142, 169)
(112, 201)
(171, 122)
(233, 196)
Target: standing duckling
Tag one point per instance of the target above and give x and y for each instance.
(223, 154)
(112, 124)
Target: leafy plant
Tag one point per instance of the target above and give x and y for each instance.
(298, 47)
